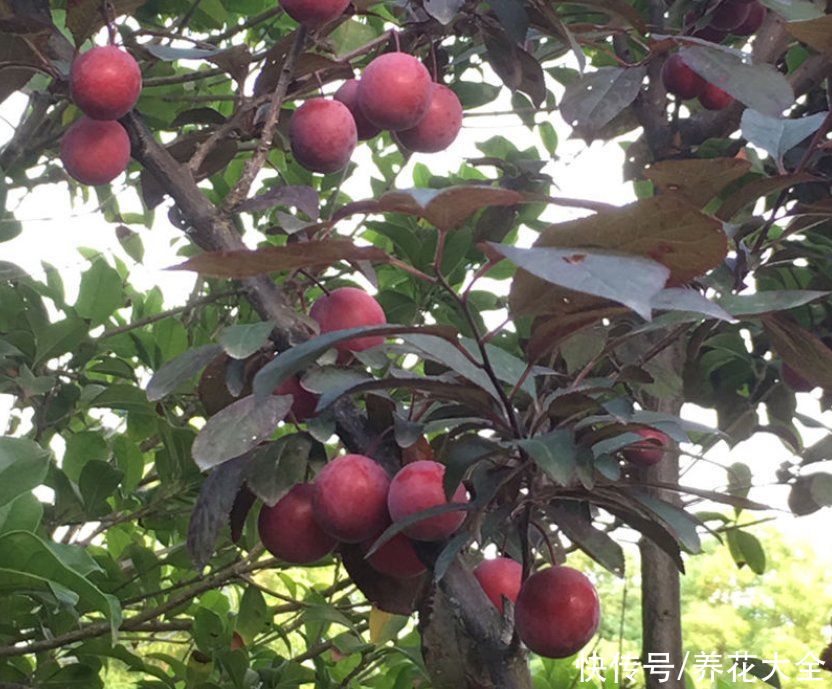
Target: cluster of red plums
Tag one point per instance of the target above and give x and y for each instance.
(353, 501)
(105, 83)
(395, 92)
(737, 17)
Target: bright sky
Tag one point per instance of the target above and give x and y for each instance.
(54, 228)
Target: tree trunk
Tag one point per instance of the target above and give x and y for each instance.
(464, 650)
(661, 618)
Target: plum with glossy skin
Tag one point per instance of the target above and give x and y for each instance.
(500, 578)
(348, 95)
(396, 558)
(681, 80)
(557, 612)
(350, 498)
(417, 487)
(395, 91)
(729, 15)
(95, 151)
(289, 530)
(314, 13)
(756, 16)
(345, 308)
(304, 402)
(649, 451)
(439, 127)
(714, 98)
(323, 135)
(105, 82)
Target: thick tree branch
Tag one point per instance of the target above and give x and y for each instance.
(212, 231)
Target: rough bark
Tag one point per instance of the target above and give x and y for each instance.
(464, 652)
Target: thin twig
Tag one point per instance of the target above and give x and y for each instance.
(150, 320)
(258, 159)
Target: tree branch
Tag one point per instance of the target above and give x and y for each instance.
(212, 231)
(258, 159)
(137, 622)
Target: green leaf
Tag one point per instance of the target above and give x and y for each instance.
(474, 94)
(210, 632)
(180, 370)
(130, 461)
(349, 35)
(75, 557)
(740, 479)
(28, 557)
(549, 137)
(23, 466)
(238, 428)
(171, 337)
(241, 341)
(24, 513)
(59, 338)
(253, 617)
(131, 242)
(81, 448)
(100, 294)
(555, 453)
(746, 549)
(97, 482)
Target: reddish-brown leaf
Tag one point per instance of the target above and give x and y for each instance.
(697, 180)
(249, 262)
(757, 189)
(816, 33)
(802, 350)
(666, 229)
(445, 209)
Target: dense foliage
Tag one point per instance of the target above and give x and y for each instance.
(161, 433)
